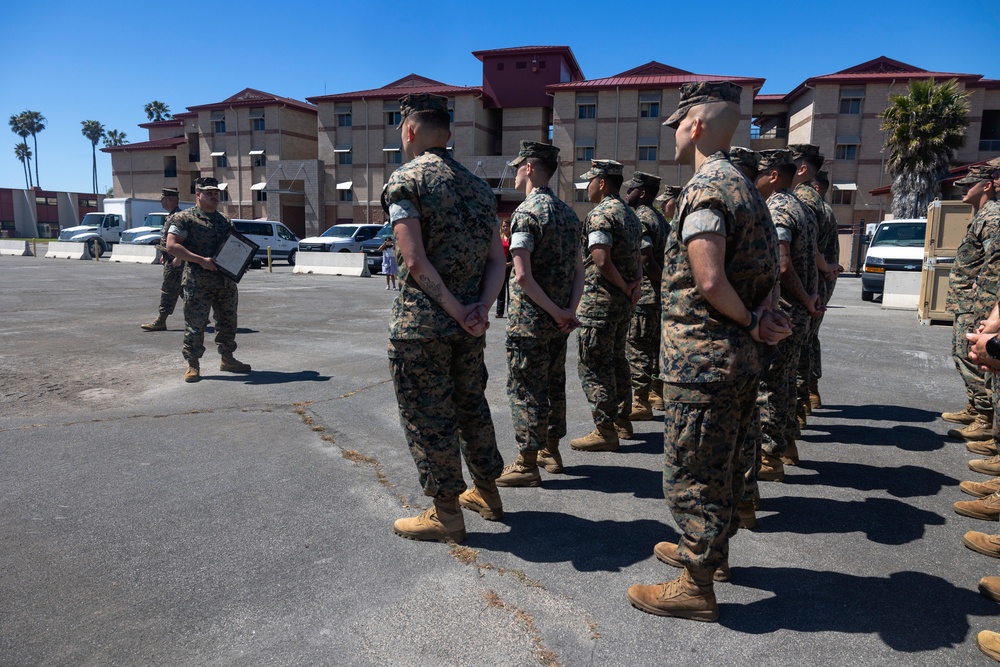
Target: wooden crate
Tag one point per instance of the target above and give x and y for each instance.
(934, 291)
(947, 222)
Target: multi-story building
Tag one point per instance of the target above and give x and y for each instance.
(261, 147)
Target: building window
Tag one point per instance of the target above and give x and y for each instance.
(499, 67)
(259, 160)
(649, 110)
(843, 197)
(169, 166)
(345, 158)
(394, 157)
(219, 122)
(224, 195)
(582, 197)
(541, 64)
(392, 118)
(584, 153)
(521, 64)
(345, 195)
(850, 105)
(451, 115)
(260, 195)
(344, 119)
(647, 153)
(257, 120)
(46, 201)
(221, 162)
(87, 203)
(584, 111)
(846, 152)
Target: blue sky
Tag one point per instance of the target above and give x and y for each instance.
(104, 61)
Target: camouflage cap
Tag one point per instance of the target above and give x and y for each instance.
(773, 158)
(641, 179)
(806, 152)
(602, 168)
(669, 192)
(535, 149)
(977, 172)
(744, 157)
(169, 192)
(207, 183)
(703, 92)
(420, 102)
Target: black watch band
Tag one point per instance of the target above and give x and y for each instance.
(753, 322)
(993, 347)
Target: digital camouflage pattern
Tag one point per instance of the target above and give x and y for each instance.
(828, 244)
(170, 290)
(703, 92)
(789, 213)
(988, 281)
(202, 233)
(536, 348)
(807, 194)
(643, 346)
(601, 299)
(698, 343)
(975, 381)
(458, 217)
(970, 259)
(654, 233)
(604, 369)
(438, 370)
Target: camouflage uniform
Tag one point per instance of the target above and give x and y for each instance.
(644, 330)
(549, 230)
(828, 244)
(604, 310)
(796, 224)
(710, 366)
(438, 369)
(965, 298)
(807, 194)
(170, 290)
(204, 290)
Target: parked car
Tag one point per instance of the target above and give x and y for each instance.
(371, 248)
(896, 245)
(283, 243)
(340, 238)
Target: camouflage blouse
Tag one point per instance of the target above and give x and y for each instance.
(970, 259)
(654, 232)
(616, 225)
(203, 233)
(796, 223)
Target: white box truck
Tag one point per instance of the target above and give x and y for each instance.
(107, 226)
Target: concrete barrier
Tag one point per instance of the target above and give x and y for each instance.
(332, 263)
(67, 250)
(15, 248)
(901, 291)
(128, 253)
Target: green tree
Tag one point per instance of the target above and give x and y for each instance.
(924, 128)
(157, 110)
(34, 122)
(94, 131)
(115, 138)
(18, 126)
(23, 153)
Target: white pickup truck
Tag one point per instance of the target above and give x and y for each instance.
(107, 226)
(151, 229)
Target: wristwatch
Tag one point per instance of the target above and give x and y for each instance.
(993, 347)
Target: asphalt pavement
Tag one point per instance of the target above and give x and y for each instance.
(247, 519)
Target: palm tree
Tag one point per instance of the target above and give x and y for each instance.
(923, 130)
(115, 138)
(34, 122)
(23, 153)
(156, 110)
(94, 131)
(19, 127)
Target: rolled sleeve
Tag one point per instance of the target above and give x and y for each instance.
(525, 240)
(177, 231)
(402, 210)
(703, 221)
(598, 238)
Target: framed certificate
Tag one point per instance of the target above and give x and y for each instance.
(234, 255)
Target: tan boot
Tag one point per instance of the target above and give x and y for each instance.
(756, 499)
(966, 416)
(231, 365)
(159, 324)
(988, 545)
(791, 455)
(193, 372)
(666, 552)
(522, 472)
(981, 489)
(642, 411)
(990, 587)
(987, 509)
(990, 466)
(989, 643)
(550, 458)
(982, 447)
(656, 396)
(624, 429)
(981, 429)
(604, 438)
(484, 498)
(747, 515)
(814, 400)
(771, 469)
(442, 522)
(680, 598)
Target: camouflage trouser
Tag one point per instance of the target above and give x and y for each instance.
(704, 431)
(815, 348)
(536, 387)
(991, 387)
(803, 373)
(750, 453)
(603, 368)
(975, 386)
(643, 348)
(440, 387)
(198, 301)
(776, 396)
(171, 288)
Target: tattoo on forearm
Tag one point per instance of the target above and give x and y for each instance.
(432, 288)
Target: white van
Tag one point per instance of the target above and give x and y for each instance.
(268, 233)
(896, 245)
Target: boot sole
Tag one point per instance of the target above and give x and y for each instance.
(964, 422)
(974, 494)
(602, 448)
(979, 550)
(706, 616)
(991, 473)
(970, 438)
(447, 537)
(972, 449)
(528, 483)
(976, 515)
(988, 593)
(485, 512)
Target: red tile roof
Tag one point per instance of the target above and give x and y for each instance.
(411, 83)
(249, 97)
(155, 144)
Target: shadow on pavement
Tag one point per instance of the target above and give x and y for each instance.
(644, 443)
(882, 520)
(609, 479)
(590, 546)
(902, 482)
(907, 438)
(269, 377)
(910, 611)
(893, 413)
